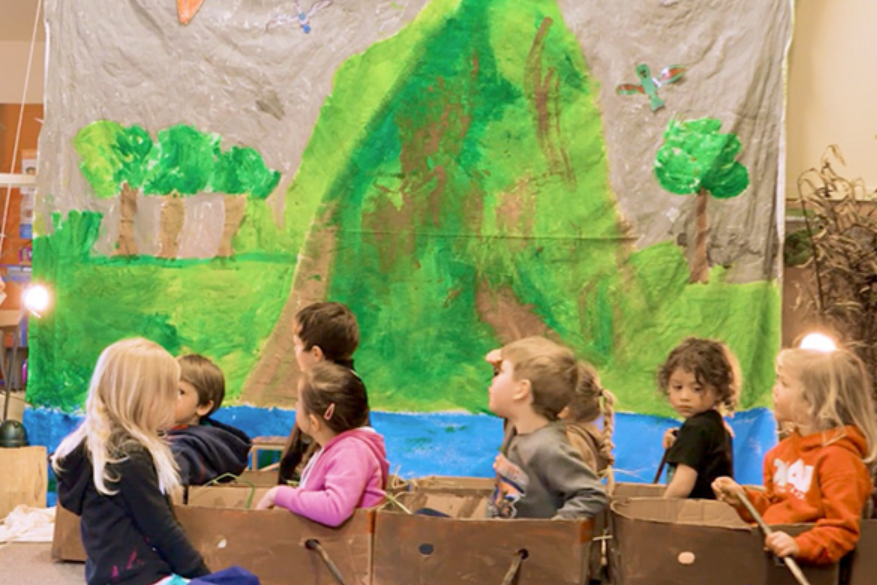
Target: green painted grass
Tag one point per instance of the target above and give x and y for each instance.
(222, 308)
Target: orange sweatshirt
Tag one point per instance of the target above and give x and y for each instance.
(819, 478)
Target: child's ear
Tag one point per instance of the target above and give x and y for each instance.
(203, 410)
(318, 354)
(523, 391)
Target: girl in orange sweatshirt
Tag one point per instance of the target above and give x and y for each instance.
(820, 472)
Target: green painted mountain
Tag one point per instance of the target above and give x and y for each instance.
(462, 185)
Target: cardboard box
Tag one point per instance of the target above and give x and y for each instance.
(468, 548)
(16, 405)
(863, 561)
(28, 481)
(650, 490)
(451, 484)
(638, 490)
(677, 542)
(273, 544)
(258, 478)
(66, 540)
(269, 543)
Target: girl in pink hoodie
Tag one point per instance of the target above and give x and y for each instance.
(350, 470)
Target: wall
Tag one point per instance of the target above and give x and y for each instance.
(30, 131)
(832, 88)
(13, 66)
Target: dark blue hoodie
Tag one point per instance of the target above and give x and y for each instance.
(209, 450)
(132, 537)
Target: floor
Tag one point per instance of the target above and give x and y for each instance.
(32, 564)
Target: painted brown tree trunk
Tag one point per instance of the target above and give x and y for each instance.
(127, 245)
(170, 225)
(699, 263)
(544, 95)
(235, 206)
(273, 380)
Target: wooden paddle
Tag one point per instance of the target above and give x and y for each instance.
(664, 460)
(789, 561)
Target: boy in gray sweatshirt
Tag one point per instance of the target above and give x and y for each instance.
(539, 474)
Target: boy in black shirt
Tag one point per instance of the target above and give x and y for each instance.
(700, 378)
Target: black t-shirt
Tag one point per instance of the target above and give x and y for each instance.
(703, 444)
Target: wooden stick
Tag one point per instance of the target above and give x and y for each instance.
(514, 568)
(661, 467)
(789, 561)
(314, 545)
(664, 460)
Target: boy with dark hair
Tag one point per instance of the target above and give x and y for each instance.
(325, 331)
(701, 379)
(204, 448)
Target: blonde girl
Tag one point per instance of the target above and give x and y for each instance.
(820, 472)
(115, 470)
(590, 402)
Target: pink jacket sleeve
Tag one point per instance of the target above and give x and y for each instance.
(347, 475)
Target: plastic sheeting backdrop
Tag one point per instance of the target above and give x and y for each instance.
(459, 172)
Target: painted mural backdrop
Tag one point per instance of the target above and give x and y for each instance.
(459, 172)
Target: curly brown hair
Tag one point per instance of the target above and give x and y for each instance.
(712, 363)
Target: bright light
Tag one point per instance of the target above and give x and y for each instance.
(818, 342)
(37, 299)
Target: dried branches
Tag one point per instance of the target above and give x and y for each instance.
(841, 225)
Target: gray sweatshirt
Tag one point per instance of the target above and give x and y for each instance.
(540, 475)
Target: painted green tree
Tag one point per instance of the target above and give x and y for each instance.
(240, 174)
(697, 158)
(117, 160)
(184, 166)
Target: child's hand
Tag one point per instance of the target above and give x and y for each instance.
(669, 438)
(727, 490)
(782, 544)
(494, 358)
(267, 501)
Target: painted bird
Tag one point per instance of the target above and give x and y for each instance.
(302, 18)
(649, 85)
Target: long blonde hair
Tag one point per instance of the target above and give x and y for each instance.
(131, 399)
(591, 401)
(837, 389)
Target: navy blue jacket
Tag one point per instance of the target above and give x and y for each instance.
(209, 450)
(132, 537)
